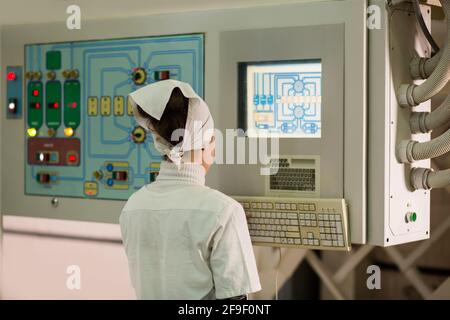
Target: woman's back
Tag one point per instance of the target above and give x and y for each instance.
(186, 241)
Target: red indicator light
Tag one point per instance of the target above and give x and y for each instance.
(11, 76)
(74, 104)
(35, 93)
(37, 105)
(72, 158)
(56, 105)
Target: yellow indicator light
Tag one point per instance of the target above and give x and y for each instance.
(68, 132)
(32, 132)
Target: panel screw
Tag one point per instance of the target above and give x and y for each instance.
(55, 202)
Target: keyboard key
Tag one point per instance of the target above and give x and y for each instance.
(308, 223)
(283, 240)
(284, 228)
(290, 241)
(283, 215)
(302, 223)
(263, 239)
(326, 243)
(292, 216)
(293, 229)
(316, 242)
(292, 234)
(337, 217)
(312, 216)
(302, 216)
(277, 240)
(278, 215)
(293, 206)
(340, 243)
(294, 222)
(307, 216)
(310, 235)
(313, 223)
(339, 227)
(335, 243)
(297, 241)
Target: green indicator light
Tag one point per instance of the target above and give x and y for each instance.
(53, 100)
(413, 217)
(72, 103)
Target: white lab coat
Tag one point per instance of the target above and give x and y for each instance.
(187, 241)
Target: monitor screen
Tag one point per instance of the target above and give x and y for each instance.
(281, 99)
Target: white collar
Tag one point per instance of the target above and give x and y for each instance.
(190, 173)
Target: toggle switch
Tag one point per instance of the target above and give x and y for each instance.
(43, 178)
(162, 75)
(43, 157)
(120, 175)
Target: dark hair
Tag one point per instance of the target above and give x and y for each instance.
(173, 118)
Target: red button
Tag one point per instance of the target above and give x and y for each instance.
(72, 158)
(11, 76)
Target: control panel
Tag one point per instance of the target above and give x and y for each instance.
(82, 139)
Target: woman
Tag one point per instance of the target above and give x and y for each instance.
(184, 240)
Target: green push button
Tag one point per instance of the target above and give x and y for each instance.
(53, 60)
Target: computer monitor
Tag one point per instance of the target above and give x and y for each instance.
(281, 98)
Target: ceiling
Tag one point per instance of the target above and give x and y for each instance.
(35, 11)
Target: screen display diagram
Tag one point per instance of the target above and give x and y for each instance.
(282, 99)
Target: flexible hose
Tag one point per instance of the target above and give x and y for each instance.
(409, 151)
(431, 149)
(423, 122)
(413, 95)
(427, 179)
(423, 26)
(422, 68)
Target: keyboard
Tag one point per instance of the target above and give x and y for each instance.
(318, 224)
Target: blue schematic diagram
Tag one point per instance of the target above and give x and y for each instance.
(284, 99)
(83, 140)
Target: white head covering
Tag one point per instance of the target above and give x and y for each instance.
(153, 99)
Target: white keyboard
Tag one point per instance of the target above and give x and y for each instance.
(300, 223)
